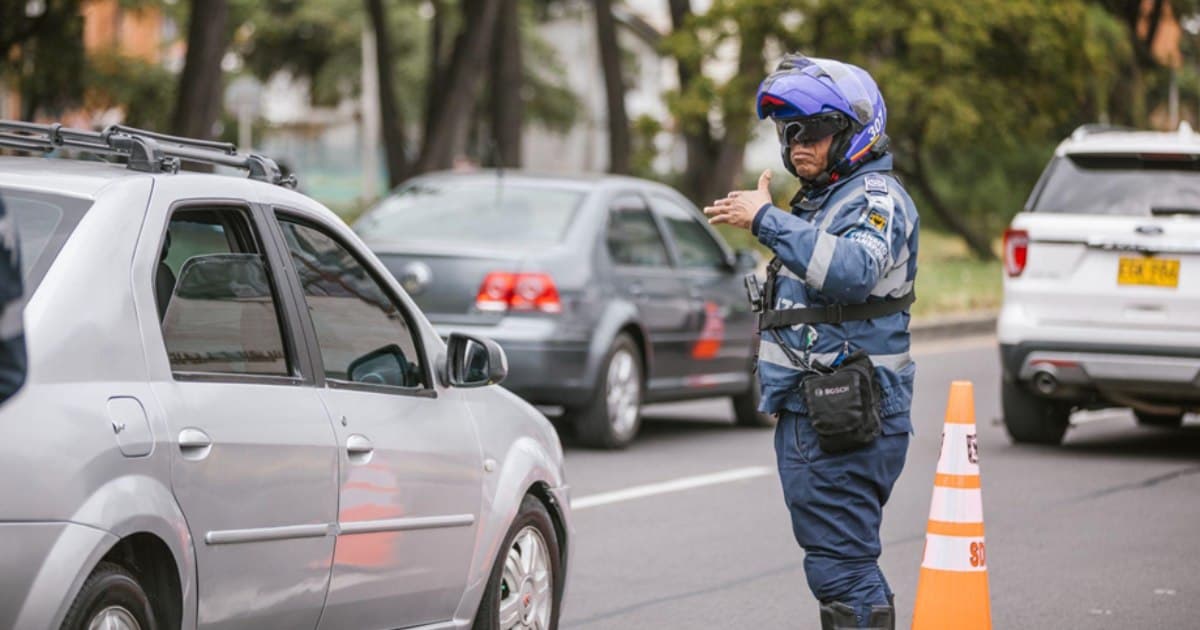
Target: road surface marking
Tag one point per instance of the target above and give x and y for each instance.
(674, 485)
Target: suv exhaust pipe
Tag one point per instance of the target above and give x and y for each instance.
(1045, 382)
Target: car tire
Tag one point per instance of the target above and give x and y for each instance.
(1160, 420)
(1033, 420)
(745, 407)
(111, 594)
(513, 594)
(613, 416)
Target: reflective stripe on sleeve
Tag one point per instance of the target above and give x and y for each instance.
(822, 258)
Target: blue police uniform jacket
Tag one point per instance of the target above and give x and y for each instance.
(851, 242)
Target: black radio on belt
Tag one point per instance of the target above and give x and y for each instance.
(754, 292)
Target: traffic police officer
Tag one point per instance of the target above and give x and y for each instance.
(839, 288)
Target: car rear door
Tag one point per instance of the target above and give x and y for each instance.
(643, 274)
(1113, 242)
(411, 465)
(254, 465)
(721, 328)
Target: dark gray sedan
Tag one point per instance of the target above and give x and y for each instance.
(605, 292)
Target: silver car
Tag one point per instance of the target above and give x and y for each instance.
(235, 418)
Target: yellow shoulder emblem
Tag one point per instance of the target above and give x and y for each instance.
(877, 220)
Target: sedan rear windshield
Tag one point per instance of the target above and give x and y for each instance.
(487, 214)
(43, 223)
(1122, 184)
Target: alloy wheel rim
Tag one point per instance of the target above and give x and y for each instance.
(623, 389)
(114, 618)
(526, 593)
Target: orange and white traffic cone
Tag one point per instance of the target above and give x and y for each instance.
(953, 589)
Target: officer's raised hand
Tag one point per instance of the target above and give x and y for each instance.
(739, 207)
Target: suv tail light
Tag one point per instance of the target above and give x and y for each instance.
(503, 291)
(1016, 251)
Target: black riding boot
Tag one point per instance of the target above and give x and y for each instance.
(839, 616)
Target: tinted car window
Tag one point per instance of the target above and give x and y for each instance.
(1121, 184)
(493, 214)
(633, 237)
(693, 243)
(43, 222)
(221, 310)
(363, 335)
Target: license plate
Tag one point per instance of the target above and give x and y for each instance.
(1152, 272)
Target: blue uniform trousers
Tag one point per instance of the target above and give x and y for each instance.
(836, 503)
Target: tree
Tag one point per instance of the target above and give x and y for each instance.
(507, 105)
(43, 51)
(199, 98)
(965, 82)
(614, 88)
(393, 119)
(715, 118)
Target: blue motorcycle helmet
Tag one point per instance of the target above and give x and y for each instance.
(810, 98)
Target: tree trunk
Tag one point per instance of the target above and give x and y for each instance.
(699, 148)
(435, 83)
(449, 121)
(727, 169)
(508, 109)
(392, 123)
(614, 87)
(978, 244)
(199, 100)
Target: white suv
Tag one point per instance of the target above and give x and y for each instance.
(1102, 288)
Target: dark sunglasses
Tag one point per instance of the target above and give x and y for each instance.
(810, 129)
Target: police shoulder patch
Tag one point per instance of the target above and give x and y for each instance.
(875, 184)
(877, 220)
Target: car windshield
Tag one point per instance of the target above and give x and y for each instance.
(43, 223)
(490, 214)
(1133, 184)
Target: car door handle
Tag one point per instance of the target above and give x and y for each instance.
(637, 291)
(359, 448)
(194, 444)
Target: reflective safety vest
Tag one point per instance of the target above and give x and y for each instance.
(853, 242)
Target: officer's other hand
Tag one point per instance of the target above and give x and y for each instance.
(739, 207)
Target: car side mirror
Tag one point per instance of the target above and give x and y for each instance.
(383, 366)
(745, 260)
(474, 361)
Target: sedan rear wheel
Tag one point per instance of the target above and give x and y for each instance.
(613, 417)
(525, 588)
(110, 599)
(745, 407)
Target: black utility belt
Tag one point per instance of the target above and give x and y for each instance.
(770, 319)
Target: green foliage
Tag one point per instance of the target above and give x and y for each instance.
(644, 130)
(144, 91)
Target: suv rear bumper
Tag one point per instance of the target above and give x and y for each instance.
(1078, 371)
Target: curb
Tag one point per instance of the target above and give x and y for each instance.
(941, 327)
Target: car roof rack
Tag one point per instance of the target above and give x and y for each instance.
(1082, 131)
(145, 151)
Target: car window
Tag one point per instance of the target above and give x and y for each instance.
(496, 214)
(693, 242)
(218, 305)
(1115, 184)
(363, 335)
(633, 237)
(43, 222)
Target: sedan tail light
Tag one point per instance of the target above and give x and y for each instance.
(503, 291)
(1016, 251)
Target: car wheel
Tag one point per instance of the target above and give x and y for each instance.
(1165, 421)
(613, 417)
(110, 599)
(525, 587)
(745, 407)
(1030, 419)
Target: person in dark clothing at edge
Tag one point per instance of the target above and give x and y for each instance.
(12, 338)
(836, 300)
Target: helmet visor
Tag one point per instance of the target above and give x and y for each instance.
(809, 129)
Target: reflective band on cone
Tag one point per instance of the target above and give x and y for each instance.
(953, 590)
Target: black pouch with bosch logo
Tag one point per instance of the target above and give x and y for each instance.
(843, 405)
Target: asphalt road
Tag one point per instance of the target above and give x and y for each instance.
(1099, 533)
